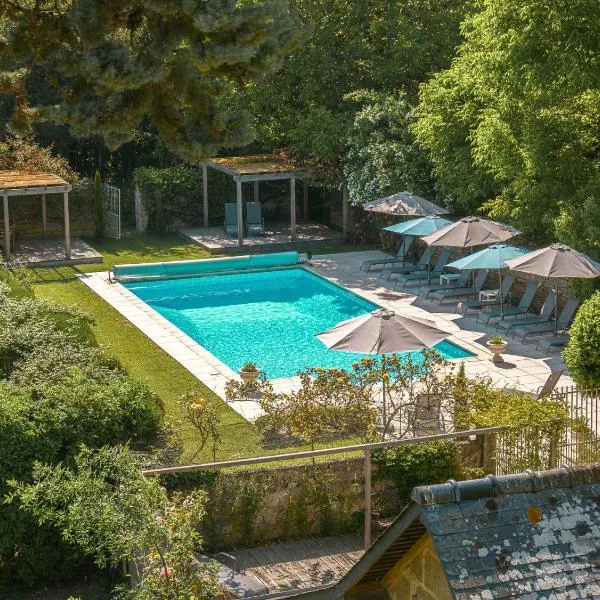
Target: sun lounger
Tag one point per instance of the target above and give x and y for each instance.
(231, 222)
(529, 318)
(564, 320)
(553, 342)
(399, 257)
(521, 309)
(255, 224)
(415, 278)
(505, 287)
(454, 292)
(420, 265)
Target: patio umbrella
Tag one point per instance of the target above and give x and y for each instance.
(556, 261)
(417, 227)
(469, 232)
(383, 332)
(492, 257)
(405, 204)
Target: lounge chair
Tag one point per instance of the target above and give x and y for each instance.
(460, 282)
(231, 222)
(553, 342)
(399, 257)
(563, 322)
(521, 309)
(505, 287)
(255, 224)
(529, 318)
(415, 278)
(546, 390)
(454, 292)
(420, 265)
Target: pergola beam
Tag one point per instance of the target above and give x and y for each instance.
(269, 177)
(34, 191)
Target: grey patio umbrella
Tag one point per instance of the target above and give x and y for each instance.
(405, 204)
(469, 232)
(383, 332)
(556, 261)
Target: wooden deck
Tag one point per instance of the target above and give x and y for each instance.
(299, 565)
(278, 237)
(50, 252)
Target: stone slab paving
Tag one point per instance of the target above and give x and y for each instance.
(524, 368)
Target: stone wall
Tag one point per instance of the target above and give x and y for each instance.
(25, 213)
(254, 507)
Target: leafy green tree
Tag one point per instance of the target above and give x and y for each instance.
(105, 66)
(582, 354)
(349, 46)
(513, 122)
(383, 156)
(110, 512)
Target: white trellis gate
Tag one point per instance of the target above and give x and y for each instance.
(112, 211)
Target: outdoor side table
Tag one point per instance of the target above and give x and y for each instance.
(446, 278)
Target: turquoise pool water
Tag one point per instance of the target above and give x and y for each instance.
(267, 317)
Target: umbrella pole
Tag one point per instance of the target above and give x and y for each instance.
(384, 411)
(500, 292)
(556, 310)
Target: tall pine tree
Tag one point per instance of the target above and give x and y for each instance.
(104, 66)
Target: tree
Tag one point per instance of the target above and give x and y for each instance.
(582, 354)
(348, 46)
(102, 67)
(512, 123)
(203, 415)
(106, 508)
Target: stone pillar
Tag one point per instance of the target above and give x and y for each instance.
(205, 194)
(44, 217)
(256, 191)
(293, 207)
(6, 228)
(344, 211)
(305, 200)
(240, 212)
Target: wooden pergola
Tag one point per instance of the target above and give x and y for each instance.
(17, 183)
(255, 169)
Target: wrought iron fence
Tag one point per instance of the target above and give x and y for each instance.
(112, 211)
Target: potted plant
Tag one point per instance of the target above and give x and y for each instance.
(249, 372)
(497, 345)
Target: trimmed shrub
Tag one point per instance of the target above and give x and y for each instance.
(582, 354)
(416, 464)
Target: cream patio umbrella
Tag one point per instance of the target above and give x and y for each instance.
(383, 331)
(556, 261)
(405, 204)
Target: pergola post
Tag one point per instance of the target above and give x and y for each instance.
(6, 228)
(240, 212)
(256, 191)
(344, 211)
(305, 200)
(367, 499)
(293, 207)
(44, 217)
(205, 194)
(67, 225)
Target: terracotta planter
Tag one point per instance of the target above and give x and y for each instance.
(249, 375)
(497, 350)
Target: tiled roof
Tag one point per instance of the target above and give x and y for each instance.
(532, 535)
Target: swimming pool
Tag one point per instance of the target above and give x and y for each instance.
(267, 317)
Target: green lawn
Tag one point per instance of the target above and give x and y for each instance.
(143, 359)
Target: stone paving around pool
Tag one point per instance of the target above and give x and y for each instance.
(524, 368)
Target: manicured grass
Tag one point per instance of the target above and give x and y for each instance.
(142, 358)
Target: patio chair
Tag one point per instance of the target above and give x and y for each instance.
(563, 322)
(505, 287)
(454, 292)
(521, 309)
(553, 342)
(460, 282)
(530, 318)
(420, 265)
(255, 224)
(415, 278)
(399, 257)
(546, 390)
(231, 222)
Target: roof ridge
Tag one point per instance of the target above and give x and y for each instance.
(492, 485)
